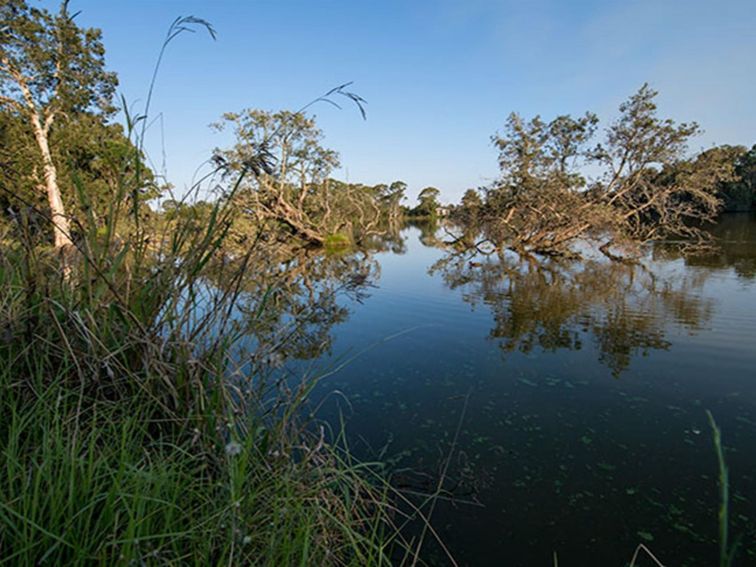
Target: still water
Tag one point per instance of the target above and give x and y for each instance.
(579, 392)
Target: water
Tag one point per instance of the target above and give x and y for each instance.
(584, 389)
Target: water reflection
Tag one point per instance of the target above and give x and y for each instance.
(292, 298)
(561, 456)
(290, 303)
(548, 304)
(736, 234)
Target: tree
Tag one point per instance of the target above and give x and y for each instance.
(471, 207)
(283, 149)
(740, 193)
(471, 200)
(427, 202)
(650, 188)
(292, 188)
(50, 70)
(392, 197)
(531, 206)
(88, 153)
(745, 169)
(647, 186)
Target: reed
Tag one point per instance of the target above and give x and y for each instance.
(135, 430)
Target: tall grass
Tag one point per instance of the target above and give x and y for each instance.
(125, 439)
(133, 432)
(125, 442)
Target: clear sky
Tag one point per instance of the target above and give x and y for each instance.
(439, 76)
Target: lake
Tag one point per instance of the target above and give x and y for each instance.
(576, 394)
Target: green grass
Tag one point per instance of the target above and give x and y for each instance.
(727, 551)
(133, 433)
(124, 442)
(97, 487)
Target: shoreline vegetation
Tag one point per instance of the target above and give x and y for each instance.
(143, 420)
(138, 428)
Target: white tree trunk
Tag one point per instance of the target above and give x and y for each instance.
(41, 121)
(61, 224)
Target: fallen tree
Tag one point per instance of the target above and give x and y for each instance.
(643, 186)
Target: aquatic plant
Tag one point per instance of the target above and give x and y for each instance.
(726, 551)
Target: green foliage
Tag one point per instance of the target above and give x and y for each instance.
(472, 200)
(50, 59)
(291, 141)
(391, 198)
(739, 194)
(470, 208)
(428, 204)
(55, 99)
(337, 241)
(532, 152)
(88, 152)
(646, 187)
(292, 193)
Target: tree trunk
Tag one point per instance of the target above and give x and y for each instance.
(61, 225)
(293, 218)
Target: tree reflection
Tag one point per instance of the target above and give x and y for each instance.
(290, 298)
(736, 236)
(551, 304)
(428, 228)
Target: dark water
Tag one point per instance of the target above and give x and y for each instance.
(584, 388)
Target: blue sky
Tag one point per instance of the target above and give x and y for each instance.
(439, 76)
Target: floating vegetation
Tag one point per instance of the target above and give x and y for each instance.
(645, 536)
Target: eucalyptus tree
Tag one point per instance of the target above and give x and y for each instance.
(392, 196)
(92, 158)
(50, 70)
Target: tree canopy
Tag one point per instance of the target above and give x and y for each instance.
(55, 93)
(643, 186)
(292, 185)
